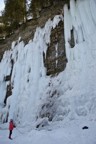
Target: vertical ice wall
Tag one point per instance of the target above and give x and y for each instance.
(28, 72)
(81, 19)
(6, 66)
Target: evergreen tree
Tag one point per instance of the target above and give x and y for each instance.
(37, 5)
(35, 8)
(14, 12)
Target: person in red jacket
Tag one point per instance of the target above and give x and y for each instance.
(11, 127)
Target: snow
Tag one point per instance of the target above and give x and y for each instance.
(61, 106)
(71, 133)
(56, 48)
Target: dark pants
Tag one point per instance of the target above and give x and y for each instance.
(10, 133)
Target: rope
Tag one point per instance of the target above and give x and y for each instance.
(19, 131)
(23, 132)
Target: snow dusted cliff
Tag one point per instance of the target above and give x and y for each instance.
(68, 96)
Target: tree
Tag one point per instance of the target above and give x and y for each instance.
(35, 8)
(37, 5)
(14, 12)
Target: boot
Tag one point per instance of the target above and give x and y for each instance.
(10, 137)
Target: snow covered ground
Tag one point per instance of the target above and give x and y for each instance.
(69, 98)
(69, 133)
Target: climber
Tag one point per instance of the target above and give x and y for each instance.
(11, 127)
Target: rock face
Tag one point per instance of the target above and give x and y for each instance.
(37, 6)
(9, 86)
(55, 61)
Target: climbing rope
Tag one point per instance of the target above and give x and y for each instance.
(20, 131)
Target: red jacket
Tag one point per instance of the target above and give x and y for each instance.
(11, 125)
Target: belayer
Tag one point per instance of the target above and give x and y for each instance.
(11, 127)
